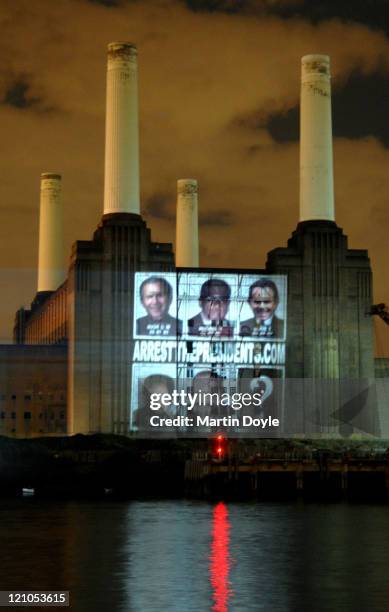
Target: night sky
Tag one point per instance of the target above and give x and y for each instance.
(219, 93)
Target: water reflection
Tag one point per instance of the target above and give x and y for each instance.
(220, 559)
(184, 556)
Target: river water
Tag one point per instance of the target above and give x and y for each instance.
(146, 556)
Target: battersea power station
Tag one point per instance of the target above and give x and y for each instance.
(130, 318)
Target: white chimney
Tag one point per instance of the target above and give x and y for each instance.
(51, 270)
(187, 232)
(121, 184)
(316, 165)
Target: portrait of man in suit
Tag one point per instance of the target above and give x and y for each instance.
(156, 295)
(263, 300)
(214, 302)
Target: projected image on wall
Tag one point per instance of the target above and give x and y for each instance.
(211, 331)
(148, 380)
(268, 383)
(207, 304)
(155, 306)
(263, 300)
(232, 305)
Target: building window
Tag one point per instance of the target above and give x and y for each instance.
(13, 397)
(27, 397)
(27, 415)
(2, 415)
(62, 415)
(2, 396)
(13, 415)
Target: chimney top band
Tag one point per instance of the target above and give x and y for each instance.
(50, 175)
(186, 186)
(122, 49)
(316, 64)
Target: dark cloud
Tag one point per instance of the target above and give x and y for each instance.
(222, 218)
(371, 13)
(159, 206)
(112, 3)
(285, 127)
(359, 110)
(108, 3)
(212, 6)
(18, 94)
(243, 7)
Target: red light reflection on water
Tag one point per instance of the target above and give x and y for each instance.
(219, 567)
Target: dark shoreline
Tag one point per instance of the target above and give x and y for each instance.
(117, 467)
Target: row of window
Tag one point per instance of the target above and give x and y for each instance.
(28, 397)
(28, 416)
(13, 430)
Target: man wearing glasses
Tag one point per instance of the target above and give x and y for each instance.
(214, 302)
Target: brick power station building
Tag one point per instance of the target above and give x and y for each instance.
(68, 370)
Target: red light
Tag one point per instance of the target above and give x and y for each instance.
(219, 447)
